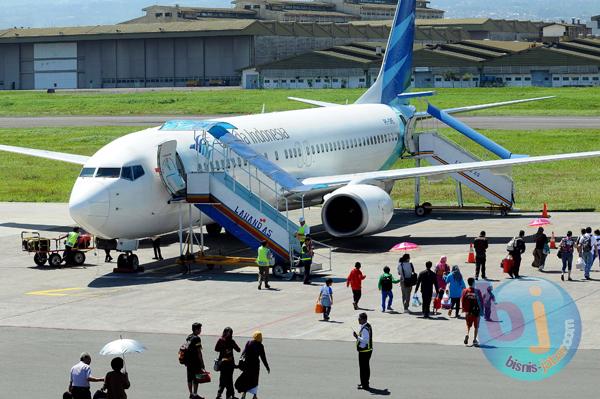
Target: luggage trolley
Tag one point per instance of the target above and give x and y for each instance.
(51, 250)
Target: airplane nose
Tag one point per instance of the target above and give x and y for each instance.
(89, 205)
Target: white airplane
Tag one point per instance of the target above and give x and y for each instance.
(338, 155)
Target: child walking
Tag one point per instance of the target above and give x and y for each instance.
(437, 301)
(488, 300)
(326, 298)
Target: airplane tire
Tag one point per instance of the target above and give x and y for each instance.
(122, 261)
(133, 261)
(40, 259)
(420, 211)
(54, 260)
(78, 258)
(213, 229)
(428, 209)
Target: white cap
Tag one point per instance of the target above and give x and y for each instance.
(301, 219)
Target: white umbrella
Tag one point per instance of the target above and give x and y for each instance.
(122, 346)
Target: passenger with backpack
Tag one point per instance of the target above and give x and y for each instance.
(471, 301)
(385, 284)
(565, 253)
(408, 278)
(427, 280)
(516, 248)
(587, 247)
(190, 355)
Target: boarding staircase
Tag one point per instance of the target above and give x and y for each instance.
(436, 149)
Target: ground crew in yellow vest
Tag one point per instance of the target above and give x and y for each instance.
(263, 260)
(71, 243)
(306, 257)
(303, 230)
(364, 346)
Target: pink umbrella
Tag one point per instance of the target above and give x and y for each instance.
(404, 246)
(539, 222)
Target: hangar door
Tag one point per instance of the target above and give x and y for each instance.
(55, 65)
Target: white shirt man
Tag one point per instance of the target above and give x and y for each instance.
(81, 376)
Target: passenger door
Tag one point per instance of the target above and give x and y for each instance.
(170, 169)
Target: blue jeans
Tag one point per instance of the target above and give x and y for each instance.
(588, 258)
(567, 261)
(384, 295)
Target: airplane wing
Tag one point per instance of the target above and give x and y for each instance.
(458, 110)
(399, 174)
(313, 102)
(57, 156)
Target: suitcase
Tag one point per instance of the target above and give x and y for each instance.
(507, 264)
(35, 244)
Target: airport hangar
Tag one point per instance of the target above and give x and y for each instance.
(200, 52)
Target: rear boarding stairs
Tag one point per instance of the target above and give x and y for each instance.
(245, 197)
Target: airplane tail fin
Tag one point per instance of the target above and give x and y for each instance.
(396, 69)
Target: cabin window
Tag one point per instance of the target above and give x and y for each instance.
(312, 147)
(285, 152)
(276, 156)
(295, 153)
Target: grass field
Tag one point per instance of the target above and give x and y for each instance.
(568, 185)
(569, 101)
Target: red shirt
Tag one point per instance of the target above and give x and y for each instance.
(355, 279)
(466, 306)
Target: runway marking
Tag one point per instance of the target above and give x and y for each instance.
(56, 292)
(75, 291)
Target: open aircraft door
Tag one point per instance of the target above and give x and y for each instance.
(170, 168)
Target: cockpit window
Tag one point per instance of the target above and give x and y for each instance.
(87, 172)
(138, 171)
(126, 173)
(113, 173)
(132, 172)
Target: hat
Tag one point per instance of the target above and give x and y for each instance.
(301, 219)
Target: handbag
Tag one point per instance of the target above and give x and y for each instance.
(100, 394)
(580, 265)
(416, 301)
(559, 254)
(242, 363)
(412, 280)
(319, 308)
(203, 378)
(217, 365)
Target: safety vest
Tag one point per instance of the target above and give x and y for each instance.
(72, 239)
(305, 253)
(300, 233)
(263, 256)
(369, 347)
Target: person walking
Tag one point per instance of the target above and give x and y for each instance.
(194, 361)
(116, 382)
(354, 281)
(539, 256)
(385, 285)
(364, 346)
(326, 298)
(107, 257)
(441, 269)
(456, 286)
(427, 280)
(225, 347)
(156, 248)
(566, 248)
(471, 301)
(480, 244)
(516, 248)
(586, 245)
(253, 354)
(80, 378)
(597, 253)
(263, 260)
(306, 258)
(406, 271)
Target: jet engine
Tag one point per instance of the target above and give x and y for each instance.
(355, 210)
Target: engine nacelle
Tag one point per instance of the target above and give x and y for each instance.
(356, 210)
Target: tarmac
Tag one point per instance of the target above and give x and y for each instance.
(48, 316)
(477, 122)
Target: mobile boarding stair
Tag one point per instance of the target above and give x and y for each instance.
(245, 198)
(495, 186)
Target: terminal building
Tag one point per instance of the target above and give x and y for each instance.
(468, 63)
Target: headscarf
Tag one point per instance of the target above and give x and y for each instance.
(456, 273)
(257, 336)
(442, 266)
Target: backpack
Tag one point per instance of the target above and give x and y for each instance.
(386, 283)
(471, 299)
(512, 245)
(184, 349)
(586, 243)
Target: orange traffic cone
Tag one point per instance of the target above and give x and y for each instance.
(471, 257)
(552, 241)
(545, 211)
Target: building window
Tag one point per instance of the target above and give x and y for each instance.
(168, 14)
(575, 77)
(585, 78)
(595, 78)
(565, 78)
(158, 14)
(438, 79)
(527, 78)
(518, 78)
(508, 79)
(361, 80)
(555, 78)
(267, 81)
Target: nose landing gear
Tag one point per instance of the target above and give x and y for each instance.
(128, 262)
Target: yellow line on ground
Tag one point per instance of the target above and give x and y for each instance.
(56, 292)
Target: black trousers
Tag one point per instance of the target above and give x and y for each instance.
(480, 265)
(81, 393)
(426, 296)
(306, 264)
(156, 247)
(356, 294)
(364, 367)
(226, 379)
(517, 265)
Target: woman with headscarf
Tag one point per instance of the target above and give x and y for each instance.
(225, 346)
(252, 355)
(441, 269)
(457, 285)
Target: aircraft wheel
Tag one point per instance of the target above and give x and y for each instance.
(122, 261)
(40, 259)
(428, 209)
(78, 258)
(420, 211)
(278, 271)
(214, 229)
(133, 261)
(54, 260)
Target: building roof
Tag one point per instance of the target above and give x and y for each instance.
(505, 46)
(320, 13)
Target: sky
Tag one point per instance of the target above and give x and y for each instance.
(50, 13)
